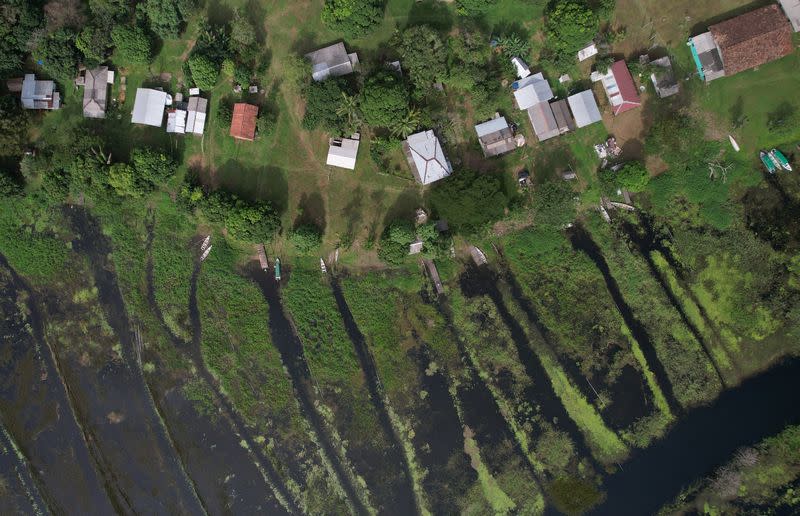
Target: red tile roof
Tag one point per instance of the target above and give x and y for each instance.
(627, 88)
(753, 38)
(243, 122)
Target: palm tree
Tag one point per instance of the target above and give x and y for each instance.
(348, 108)
(407, 125)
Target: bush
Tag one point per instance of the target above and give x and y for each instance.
(306, 238)
(395, 242)
(205, 72)
(266, 121)
(473, 7)
(355, 18)
(554, 204)
(468, 200)
(424, 56)
(132, 44)
(93, 42)
(632, 176)
(384, 100)
(570, 25)
(322, 101)
(153, 167)
(244, 220)
(13, 127)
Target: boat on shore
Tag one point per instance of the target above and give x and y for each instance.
(277, 269)
(767, 161)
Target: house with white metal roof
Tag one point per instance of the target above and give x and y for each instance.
(196, 110)
(584, 108)
(332, 61)
(426, 157)
(148, 108)
(792, 10)
(531, 91)
(176, 121)
(522, 68)
(38, 94)
(342, 152)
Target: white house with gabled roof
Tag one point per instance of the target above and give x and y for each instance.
(426, 157)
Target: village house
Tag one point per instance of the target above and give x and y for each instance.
(148, 107)
(332, 61)
(620, 88)
(531, 90)
(564, 120)
(196, 110)
(35, 94)
(792, 10)
(342, 152)
(497, 137)
(176, 121)
(243, 121)
(741, 43)
(426, 157)
(95, 84)
(663, 78)
(584, 108)
(543, 121)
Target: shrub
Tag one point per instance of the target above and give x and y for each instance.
(395, 242)
(132, 44)
(165, 16)
(352, 17)
(58, 55)
(468, 200)
(153, 167)
(632, 176)
(473, 7)
(322, 101)
(554, 204)
(266, 121)
(204, 72)
(384, 100)
(306, 238)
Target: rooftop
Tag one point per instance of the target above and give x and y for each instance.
(496, 137)
(330, 61)
(564, 119)
(37, 94)
(148, 107)
(753, 38)
(95, 91)
(243, 121)
(620, 88)
(543, 121)
(426, 157)
(342, 152)
(584, 108)
(196, 108)
(792, 10)
(663, 78)
(531, 91)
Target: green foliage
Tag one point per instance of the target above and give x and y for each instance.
(322, 100)
(513, 45)
(469, 200)
(384, 100)
(244, 220)
(13, 127)
(266, 121)
(355, 18)
(680, 142)
(205, 72)
(554, 204)
(603, 63)
(570, 25)
(122, 178)
(93, 42)
(18, 20)
(306, 238)
(572, 495)
(153, 167)
(59, 55)
(242, 31)
(165, 16)
(633, 176)
(395, 241)
(424, 56)
(132, 44)
(473, 7)
(783, 120)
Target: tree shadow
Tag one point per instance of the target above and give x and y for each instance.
(353, 212)
(433, 13)
(404, 206)
(700, 27)
(218, 14)
(267, 183)
(311, 211)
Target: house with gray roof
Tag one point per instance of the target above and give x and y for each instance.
(663, 78)
(496, 137)
(531, 91)
(584, 108)
(426, 157)
(792, 10)
(95, 91)
(332, 61)
(543, 121)
(36, 94)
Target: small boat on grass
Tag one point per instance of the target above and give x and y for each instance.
(780, 160)
(767, 161)
(277, 269)
(322, 266)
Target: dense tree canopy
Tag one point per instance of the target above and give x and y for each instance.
(424, 56)
(166, 16)
(13, 128)
(244, 220)
(322, 100)
(58, 55)
(153, 167)
(132, 44)
(384, 100)
(395, 242)
(469, 200)
(554, 204)
(352, 17)
(632, 176)
(570, 25)
(18, 20)
(205, 72)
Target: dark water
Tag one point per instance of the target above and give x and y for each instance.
(704, 439)
(402, 500)
(293, 358)
(223, 471)
(143, 456)
(37, 410)
(20, 492)
(483, 281)
(226, 408)
(581, 241)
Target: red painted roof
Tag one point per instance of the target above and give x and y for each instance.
(627, 88)
(243, 122)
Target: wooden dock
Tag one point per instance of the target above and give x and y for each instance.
(262, 257)
(433, 274)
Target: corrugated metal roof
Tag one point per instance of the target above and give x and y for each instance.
(148, 107)
(543, 121)
(792, 10)
(532, 90)
(584, 108)
(492, 126)
(426, 157)
(342, 153)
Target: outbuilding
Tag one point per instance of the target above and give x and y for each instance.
(196, 110)
(95, 84)
(620, 88)
(243, 121)
(342, 152)
(36, 94)
(331, 61)
(496, 137)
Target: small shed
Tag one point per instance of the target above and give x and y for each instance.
(433, 274)
(148, 107)
(663, 78)
(176, 121)
(415, 247)
(521, 67)
(342, 152)
(243, 122)
(584, 108)
(587, 52)
(331, 61)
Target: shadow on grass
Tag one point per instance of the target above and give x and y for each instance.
(266, 183)
(311, 211)
(434, 13)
